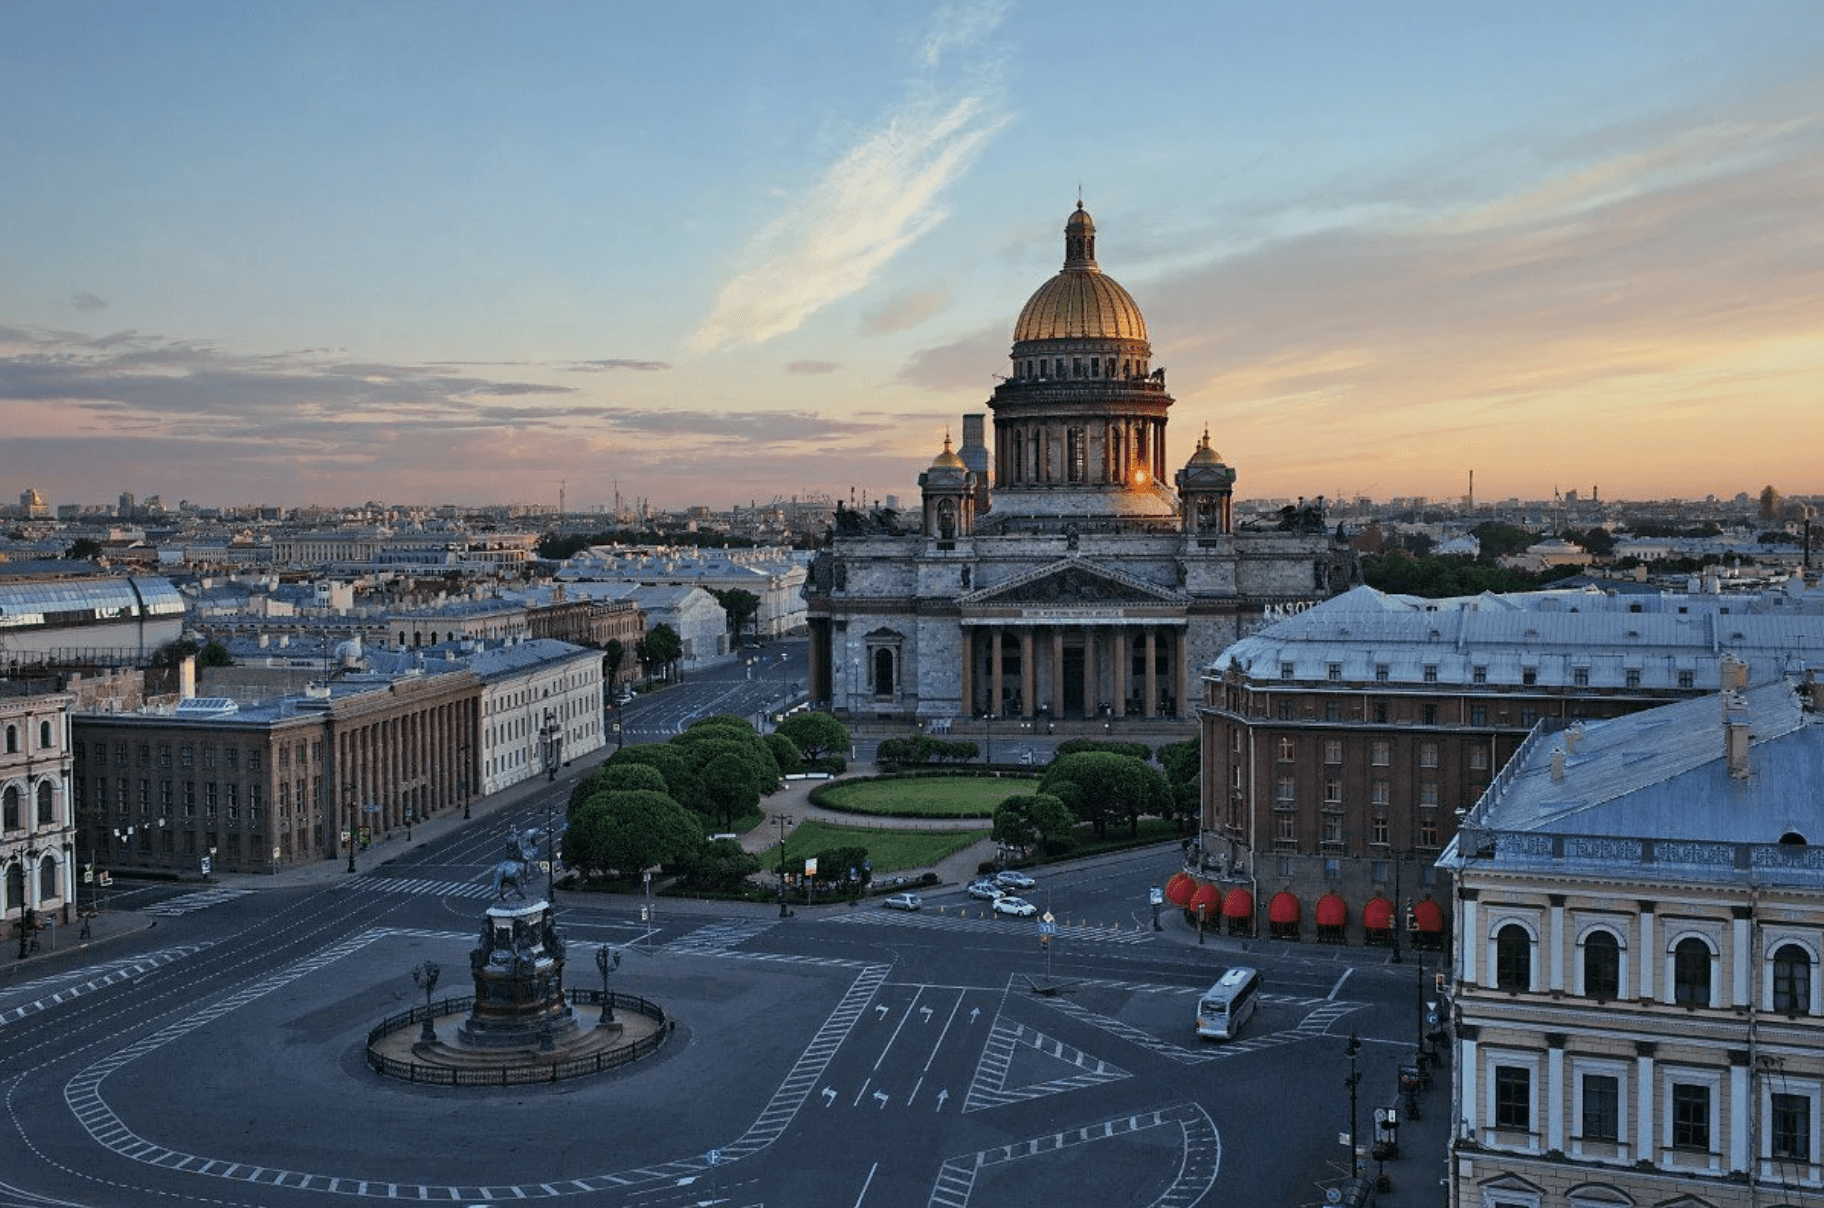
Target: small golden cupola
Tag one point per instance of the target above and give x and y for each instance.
(948, 488)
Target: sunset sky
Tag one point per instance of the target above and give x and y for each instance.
(717, 252)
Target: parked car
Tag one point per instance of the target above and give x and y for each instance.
(902, 901)
(1019, 907)
(987, 891)
(1014, 880)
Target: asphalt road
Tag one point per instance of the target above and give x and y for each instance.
(855, 1057)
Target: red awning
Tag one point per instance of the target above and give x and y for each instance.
(1428, 916)
(1179, 889)
(1377, 915)
(1283, 908)
(1238, 905)
(1207, 900)
(1332, 911)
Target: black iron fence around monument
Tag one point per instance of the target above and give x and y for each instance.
(554, 1070)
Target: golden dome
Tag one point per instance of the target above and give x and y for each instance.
(1205, 456)
(948, 460)
(1081, 302)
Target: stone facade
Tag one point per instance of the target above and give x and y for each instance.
(37, 832)
(1076, 584)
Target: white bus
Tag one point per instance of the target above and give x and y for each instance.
(1226, 1005)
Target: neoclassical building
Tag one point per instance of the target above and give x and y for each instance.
(1066, 578)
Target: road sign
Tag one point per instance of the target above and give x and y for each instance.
(1047, 930)
(1048, 917)
(205, 864)
(1156, 896)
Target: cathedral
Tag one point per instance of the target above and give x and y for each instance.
(1062, 572)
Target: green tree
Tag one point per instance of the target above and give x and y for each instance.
(84, 548)
(1103, 788)
(632, 778)
(658, 650)
(729, 783)
(815, 734)
(1074, 746)
(785, 753)
(214, 654)
(681, 778)
(1498, 540)
(1183, 764)
(614, 655)
(720, 866)
(553, 548)
(628, 832)
(740, 605)
(1028, 820)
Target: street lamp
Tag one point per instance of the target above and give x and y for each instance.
(1352, 1081)
(784, 820)
(426, 977)
(27, 858)
(553, 738)
(351, 828)
(988, 727)
(605, 961)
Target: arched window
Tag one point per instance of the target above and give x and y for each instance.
(1791, 979)
(44, 734)
(46, 812)
(15, 885)
(883, 673)
(1076, 455)
(9, 816)
(1018, 446)
(1691, 972)
(1601, 966)
(1513, 958)
(47, 879)
(12, 740)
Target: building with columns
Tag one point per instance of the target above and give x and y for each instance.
(1052, 570)
(1638, 1011)
(37, 856)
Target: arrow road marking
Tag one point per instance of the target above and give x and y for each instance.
(882, 1096)
(882, 1008)
(941, 1096)
(973, 1012)
(927, 1011)
(829, 1096)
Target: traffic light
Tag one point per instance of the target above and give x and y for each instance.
(1437, 981)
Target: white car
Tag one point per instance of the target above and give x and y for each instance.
(902, 901)
(1018, 907)
(1014, 880)
(987, 891)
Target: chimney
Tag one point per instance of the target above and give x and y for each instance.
(186, 678)
(1734, 674)
(1735, 734)
(1557, 765)
(1572, 737)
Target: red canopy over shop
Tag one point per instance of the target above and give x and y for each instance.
(1179, 889)
(1377, 915)
(1332, 911)
(1428, 916)
(1238, 905)
(1283, 908)
(1206, 901)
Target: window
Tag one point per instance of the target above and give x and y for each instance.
(1379, 830)
(1691, 972)
(1285, 710)
(1333, 868)
(1580, 677)
(1379, 793)
(1381, 753)
(1431, 715)
(1333, 790)
(1333, 711)
(1601, 1107)
(1428, 754)
(1381, 673)
(1428, 794)
(1333, 828)
(1687, 679)
(1286, 670)
(1513, 1098)
(1529, 718)
(1601, 966)
(1285, 830)
(1690, 1116)
(10, 820)
(12, 740)
(1333, 750)
(47, 813)
(1478, 715)
(1334, 672)
(1529, 676)
(1431, 673)
(1428, 837)
(1791, 979)
(44, 733)
(1633, 677)
(1380, 712)
(1478, 675)
(1478, 758)
(1285, 793)
(1789, 1132)
(186, 755)
(1378, 870)
(1513, 958)
(1285, 750)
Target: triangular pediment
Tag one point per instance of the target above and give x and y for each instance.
(1072, 581)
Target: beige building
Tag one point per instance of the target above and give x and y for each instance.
(36, 829)
(1638, 1012)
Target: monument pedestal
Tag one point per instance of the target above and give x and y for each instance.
(519, 981)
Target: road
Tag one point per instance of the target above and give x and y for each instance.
(856, 1057)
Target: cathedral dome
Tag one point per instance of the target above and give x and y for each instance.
(1081, 302)
(948, 460)
(1205, 456)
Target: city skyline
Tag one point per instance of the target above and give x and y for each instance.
(464, 252)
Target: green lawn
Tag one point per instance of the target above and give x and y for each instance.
(924, 796)
(888, 850)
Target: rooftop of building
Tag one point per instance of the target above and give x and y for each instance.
(1661, 786)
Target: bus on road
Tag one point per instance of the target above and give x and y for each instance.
(1226, 1005)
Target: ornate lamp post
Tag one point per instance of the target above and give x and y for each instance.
(351, 828)
(784, 820)
(426, 977)
(606, 961)
(1352, 1081)
(28, 858)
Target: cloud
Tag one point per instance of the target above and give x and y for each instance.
(904, 310)
(968, 364)
(812, 367)
(87, 302)
(875, 201)
(611, 365)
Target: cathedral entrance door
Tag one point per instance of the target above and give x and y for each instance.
(1072, 670)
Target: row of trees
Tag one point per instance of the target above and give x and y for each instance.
(1103, 784)
(922, 749)
(653, 805)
